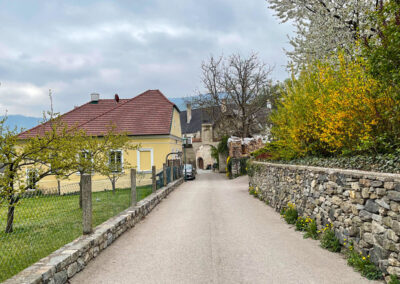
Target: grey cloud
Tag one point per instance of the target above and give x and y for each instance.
(77, 47)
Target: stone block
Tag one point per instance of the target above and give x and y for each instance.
(365, 215)
(394, 195)
(377, 228)
(61, 277)
(72, 269)
(376, 183)
(371, 206)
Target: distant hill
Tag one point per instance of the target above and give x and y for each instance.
(180, 103)
(21, 121)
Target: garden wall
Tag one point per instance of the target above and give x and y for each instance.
(362, 206)
(64, 263)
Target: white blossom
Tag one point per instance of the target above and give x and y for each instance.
(323, 26)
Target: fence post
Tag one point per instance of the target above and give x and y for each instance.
(133, 187)
(172, 172)
(59, 187)
(87, 203)
(153, 178)
(165, 174)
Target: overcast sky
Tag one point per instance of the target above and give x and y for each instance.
(125, 47)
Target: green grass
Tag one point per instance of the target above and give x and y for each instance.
(43, 224)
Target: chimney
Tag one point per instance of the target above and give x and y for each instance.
(94, 98)
(188, 113)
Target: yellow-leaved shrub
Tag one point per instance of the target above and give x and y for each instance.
(332, 107)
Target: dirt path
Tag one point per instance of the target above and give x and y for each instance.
(212, 231)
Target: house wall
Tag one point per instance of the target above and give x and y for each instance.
(176, 124)
(151, 148)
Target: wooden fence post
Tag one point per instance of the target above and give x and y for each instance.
(133, 187)
(153, 177)
(87, 203)
(165, 174)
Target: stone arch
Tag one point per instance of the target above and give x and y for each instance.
(204, 152)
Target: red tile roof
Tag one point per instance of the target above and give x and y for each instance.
(149, 113)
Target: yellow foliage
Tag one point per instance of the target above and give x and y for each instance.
(330, 108)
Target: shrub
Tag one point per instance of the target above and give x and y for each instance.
(301, 224)
(363, 265)
(328, 239)
(290, 213)
(311, 229)
(388, 163)
(253, 191)
(333, 107)
(394, 280)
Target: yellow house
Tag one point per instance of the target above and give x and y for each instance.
(149, 119)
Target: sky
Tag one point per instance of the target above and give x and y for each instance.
(76, 48)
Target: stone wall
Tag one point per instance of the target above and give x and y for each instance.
(64, 263)
(362, 206)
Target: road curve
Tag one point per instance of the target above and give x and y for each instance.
(212, 231)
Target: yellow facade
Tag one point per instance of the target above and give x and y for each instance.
(152, 150)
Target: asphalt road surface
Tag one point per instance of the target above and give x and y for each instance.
(211, 230)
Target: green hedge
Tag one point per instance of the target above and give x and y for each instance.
(387, 163)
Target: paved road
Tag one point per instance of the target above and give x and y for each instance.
(212, 231)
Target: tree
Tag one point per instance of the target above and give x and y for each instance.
(237, 93)
(324, 26)
(383, 49)
(93, 155)
(110, 163)
(48, 154)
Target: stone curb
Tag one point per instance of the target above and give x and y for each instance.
(65, 262)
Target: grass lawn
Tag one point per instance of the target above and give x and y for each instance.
(43, 224)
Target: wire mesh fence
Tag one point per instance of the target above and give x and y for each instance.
(48, 218)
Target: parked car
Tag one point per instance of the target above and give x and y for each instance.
(188, 171)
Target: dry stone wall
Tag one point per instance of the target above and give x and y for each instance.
(362, 206)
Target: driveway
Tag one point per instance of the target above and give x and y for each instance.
(211, 230)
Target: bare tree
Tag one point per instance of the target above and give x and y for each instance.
(238, 92)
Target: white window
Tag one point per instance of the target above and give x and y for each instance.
(145, 160)
(116, 161)
(32, 177)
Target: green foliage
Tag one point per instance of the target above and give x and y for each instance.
(394, 279)
(311, 229)
(301, 224)
(328, 239)
(215, 154)
(290, 214)
(383, 49)
(253, 191)
(389, 163)
(363, 265)
(222, 146)
(271, 151)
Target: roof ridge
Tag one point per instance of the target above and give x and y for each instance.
(119, 105)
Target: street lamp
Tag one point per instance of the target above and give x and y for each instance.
(185, 140)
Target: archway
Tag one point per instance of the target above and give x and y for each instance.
(200, 163)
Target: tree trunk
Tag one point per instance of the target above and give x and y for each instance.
(113, 185)
(80, 192)
(10, 218)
